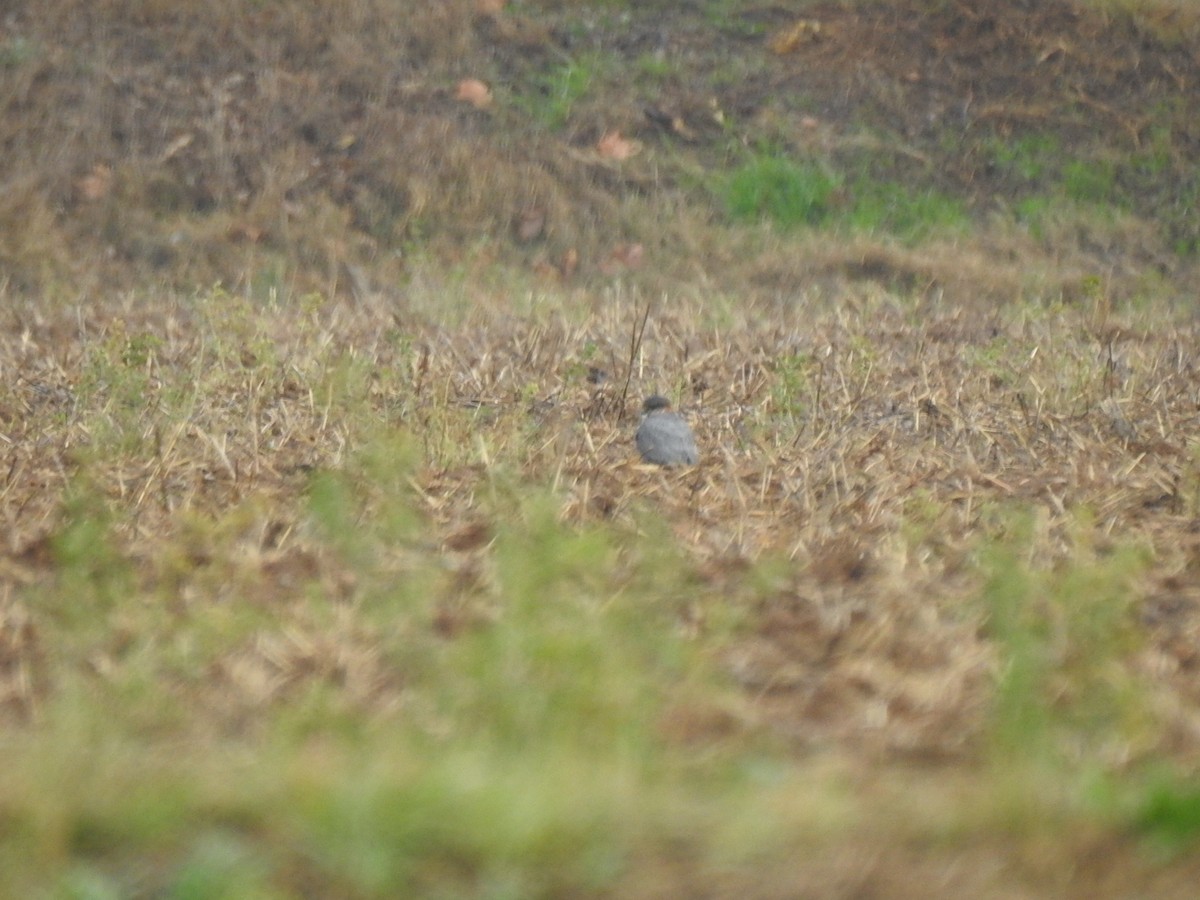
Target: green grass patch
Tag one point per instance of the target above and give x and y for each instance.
(912, 215)
(1169, 811)
(1066, 633)
(1028, 159)
(783, 191)
(730, 17)
(791, 194)
(553, 94)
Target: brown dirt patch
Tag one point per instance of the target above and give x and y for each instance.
(302, 150)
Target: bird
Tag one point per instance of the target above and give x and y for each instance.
(663, 437)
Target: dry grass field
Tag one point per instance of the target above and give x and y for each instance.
(329, 568)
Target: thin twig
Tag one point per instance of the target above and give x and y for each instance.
(635, 347)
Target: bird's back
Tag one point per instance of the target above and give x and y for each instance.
(665, 439)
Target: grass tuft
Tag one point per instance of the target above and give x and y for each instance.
(781, 191)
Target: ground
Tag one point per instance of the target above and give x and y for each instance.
(329, 567)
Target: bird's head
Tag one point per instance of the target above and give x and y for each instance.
(655, 403)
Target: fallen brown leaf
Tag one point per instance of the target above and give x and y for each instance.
(176, 146)
(243, 231)
(96, 184)
(613, 146)
(570, 262)
(623, 256)
(475, 92)
(789, 39)
(530, 224)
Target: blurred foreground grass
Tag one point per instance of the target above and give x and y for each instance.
(298, 603)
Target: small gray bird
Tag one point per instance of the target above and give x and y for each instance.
(664, 438)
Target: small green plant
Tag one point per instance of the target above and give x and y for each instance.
(222, 865)
(1155, 157)
(120, 372)
(792, 390)
(556, 92)
(888, 207)
(811, 193)
(783, 191)
(1028, 158)
(93, 574)
(1090, 181)
(140, 349)
(994, 358)
(17, 51)
(1169, 811)
(1033, 212)
(1064, 632)
(729, 16)
(1182, 225)
(655, 67)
